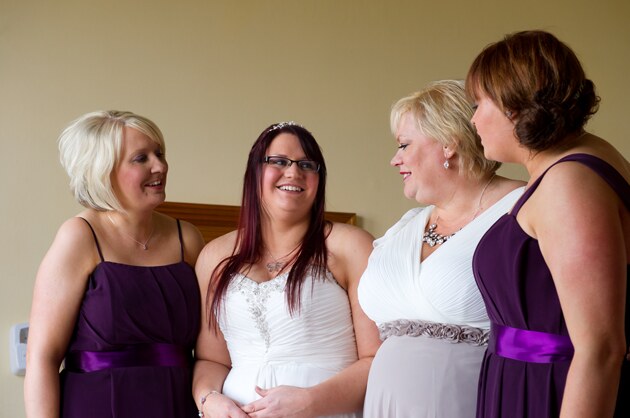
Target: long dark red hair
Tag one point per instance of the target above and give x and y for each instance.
(249, 248)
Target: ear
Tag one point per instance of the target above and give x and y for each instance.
(449, 150)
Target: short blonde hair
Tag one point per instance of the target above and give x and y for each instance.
(442, 112)
(89, 149)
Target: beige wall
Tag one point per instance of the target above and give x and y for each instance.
(213, 74)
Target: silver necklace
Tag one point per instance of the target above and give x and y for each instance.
(142, 244)
(433, 238)
(277, 266)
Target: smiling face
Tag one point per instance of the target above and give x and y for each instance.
(496, 130)
(288, 188)
(139, 177)
(419, 160)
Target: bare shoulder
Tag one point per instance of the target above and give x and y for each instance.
(349, 248)
(602, 149)
(569, 194)
(504, 186)
(193, 241)
(345, 235)
(213, 253)
(573, 180)
(73, 253)
(221, 246)
(190, 230)
(76, 234)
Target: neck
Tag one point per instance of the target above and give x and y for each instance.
(537, 162)
(283, 232)
(132, 222)
(466, 204)
(280, 245)
(281, 239)
(137, 229)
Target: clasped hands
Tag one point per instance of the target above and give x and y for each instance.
(277, 402)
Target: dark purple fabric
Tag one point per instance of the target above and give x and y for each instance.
(519, 292)
(140, 355)
(125, 306)
(532, 346)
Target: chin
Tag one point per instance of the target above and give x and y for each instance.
(410, 196)
(158, 201)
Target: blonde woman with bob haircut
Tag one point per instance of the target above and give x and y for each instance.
(419, 286)
(116, 297)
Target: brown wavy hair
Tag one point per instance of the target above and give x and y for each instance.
(539, 82)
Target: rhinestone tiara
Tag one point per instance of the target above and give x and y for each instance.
(284, 125)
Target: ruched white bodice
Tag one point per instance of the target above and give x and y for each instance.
(269, 347)
(396, 285)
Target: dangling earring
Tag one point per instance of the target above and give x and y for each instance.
(446, 165)
(509, 114)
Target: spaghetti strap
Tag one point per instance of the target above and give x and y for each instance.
(98, 247)
(181, 241)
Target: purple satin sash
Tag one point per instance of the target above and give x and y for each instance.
(140, 355)
(530, 346)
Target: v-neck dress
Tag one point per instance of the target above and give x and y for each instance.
(525, 368)
(431, 317)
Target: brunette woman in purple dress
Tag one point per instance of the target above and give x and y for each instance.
(116, 296)
(554, 271)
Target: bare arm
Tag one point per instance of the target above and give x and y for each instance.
(576, 218)
(59, 289)
(349, 248)
(211, 353)
(345, 392)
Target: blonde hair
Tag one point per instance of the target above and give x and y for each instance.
(442, 112)
(89, 149)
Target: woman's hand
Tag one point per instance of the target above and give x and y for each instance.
(220, 406)
(281, 402)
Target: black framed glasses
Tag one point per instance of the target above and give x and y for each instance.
(282, 163)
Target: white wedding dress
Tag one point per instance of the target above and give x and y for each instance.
(269, 347)
(421, 376)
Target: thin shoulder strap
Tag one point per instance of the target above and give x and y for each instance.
(601, 167)
(98, 247)
(181, 240)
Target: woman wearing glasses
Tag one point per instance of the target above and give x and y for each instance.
(284, 333)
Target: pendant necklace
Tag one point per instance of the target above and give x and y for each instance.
(433, 238)
(277, 266)
(143, 245)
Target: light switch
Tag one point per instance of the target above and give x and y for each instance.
(17, 349)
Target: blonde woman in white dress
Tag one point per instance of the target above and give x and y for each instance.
(419, 286)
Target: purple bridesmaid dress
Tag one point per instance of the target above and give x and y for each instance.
(525, 366)
(131, 350)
